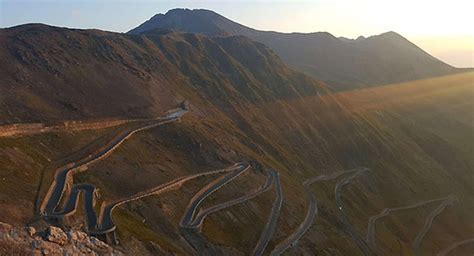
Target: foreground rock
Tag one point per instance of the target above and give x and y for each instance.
(56, 235)
(52, 241)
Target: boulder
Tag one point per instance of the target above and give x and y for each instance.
(56, 235)
(76, 236)
(31, 231)
(5, 230)
(52, 241)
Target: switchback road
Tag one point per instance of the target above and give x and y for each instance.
(454, 246)
(273, 219)
(348, 227)
(428, 223)
(187, 219)
(372, 220)
(106, 224)
(89, 191)
(64, 175)
(198, 220)
(310, 215)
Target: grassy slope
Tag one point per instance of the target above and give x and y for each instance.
(24, 160)
(436, 116)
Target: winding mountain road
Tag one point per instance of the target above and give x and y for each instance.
(56, 205)
(372, 220)
(188, 216)
(55, 197)
(454, 246)
(64, 176)
(429, 222)
(198, 220)
(311, 213)
(89, 191)
(103, 223)
(272, 222)
(106, 224)
(191, 220)
(348, 227)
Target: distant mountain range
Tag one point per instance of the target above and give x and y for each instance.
(341, 62)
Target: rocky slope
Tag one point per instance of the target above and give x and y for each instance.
(342, 63)
(52, 241)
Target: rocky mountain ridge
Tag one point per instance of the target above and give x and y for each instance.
(342, 63)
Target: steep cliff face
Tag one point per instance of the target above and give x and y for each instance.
(245, 105)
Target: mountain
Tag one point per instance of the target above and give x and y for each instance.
(340, 62)
(130, 75)
(245, 105)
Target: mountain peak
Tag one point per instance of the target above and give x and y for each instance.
(188, 11)
(391, 35)
(191, 20)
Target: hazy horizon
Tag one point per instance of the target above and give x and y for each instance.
(443, 31)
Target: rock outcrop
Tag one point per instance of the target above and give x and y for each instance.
(56, 235)
(52, 241)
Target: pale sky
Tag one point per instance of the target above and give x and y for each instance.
(442, 28)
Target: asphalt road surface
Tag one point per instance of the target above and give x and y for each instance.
(429, 222)
(310, 214)
(64, 175)
(187, 219)
(348, 228)
(272, 222)
(198, 220)
(373, 220)
(106, 224)
(454, 246)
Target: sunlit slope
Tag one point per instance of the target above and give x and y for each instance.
(408, 135)
(438, 116)
(443, 106)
